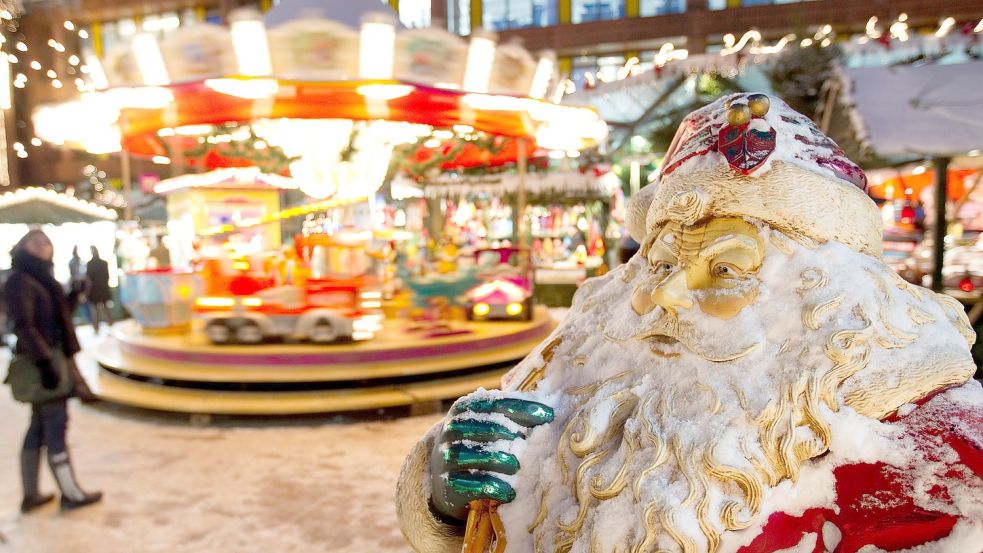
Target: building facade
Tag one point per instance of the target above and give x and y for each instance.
(593, 39)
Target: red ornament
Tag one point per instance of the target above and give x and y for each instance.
(966, 284)
(907, 215)
(746, 147)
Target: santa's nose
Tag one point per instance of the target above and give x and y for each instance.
(673, 294)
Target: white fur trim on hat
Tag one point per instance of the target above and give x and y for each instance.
(787, 197)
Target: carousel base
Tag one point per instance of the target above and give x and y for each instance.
(402, 366)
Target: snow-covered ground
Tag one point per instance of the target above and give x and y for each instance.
(324, 484)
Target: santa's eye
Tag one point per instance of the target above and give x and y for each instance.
(726, 270)
(661, 267)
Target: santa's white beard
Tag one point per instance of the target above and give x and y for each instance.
(652, 452)
(658, 453)
(652, 460)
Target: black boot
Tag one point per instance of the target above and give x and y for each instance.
(72, 496)
(30, 464)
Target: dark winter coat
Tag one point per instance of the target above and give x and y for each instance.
(40, 310)
(97, 270)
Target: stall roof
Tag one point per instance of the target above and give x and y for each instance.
(916, 110)
(559, 184)
(38, 206)
(232, 178)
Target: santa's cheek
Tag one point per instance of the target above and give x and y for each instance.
(726, 303)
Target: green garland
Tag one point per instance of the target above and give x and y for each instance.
(270, 159)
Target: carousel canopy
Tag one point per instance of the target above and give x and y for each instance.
(232, 178)
(38, 206)
(916, 110)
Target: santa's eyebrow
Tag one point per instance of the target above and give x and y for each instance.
(659, 244)
(727, 242)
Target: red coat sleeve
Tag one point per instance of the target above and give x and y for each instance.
(878, 504)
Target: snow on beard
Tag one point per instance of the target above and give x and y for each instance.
(662, 446)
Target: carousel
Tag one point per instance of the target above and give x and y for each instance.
(241, 322)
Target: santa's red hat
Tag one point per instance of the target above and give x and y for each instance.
(750, 155)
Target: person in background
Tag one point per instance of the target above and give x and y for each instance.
(75, 269)
(42, 321)
(97, 273)
(161, 254)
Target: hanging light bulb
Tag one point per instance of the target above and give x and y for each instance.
(481, 56)
(543, 76)
(249, 41)
(149, 60)
(376, 43)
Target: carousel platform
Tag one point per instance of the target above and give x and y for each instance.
(402, 366)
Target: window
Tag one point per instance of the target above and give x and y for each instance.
(161, 25)
(597, 10)
(725, 4)
(414, 13)
(588, 70)
(649, 8)
(499, 15)
(459, 16)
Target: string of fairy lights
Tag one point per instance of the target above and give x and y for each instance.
(24, 67)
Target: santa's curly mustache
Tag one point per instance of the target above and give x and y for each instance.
(667, 335)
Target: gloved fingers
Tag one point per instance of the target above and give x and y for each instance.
(463, 457)
(477, 431)
(479, 486)
(520, 411)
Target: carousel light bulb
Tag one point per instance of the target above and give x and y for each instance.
(21, 46)
(83, 33)
(73, 59)
(69, 25)
(36, 65)
(93, 67)
(543, 76)
(376, 43)
(481, 55)
(150, 62)
(51, 74)
(35, 141)
(945, 27)
(249, 41)
(12, 58)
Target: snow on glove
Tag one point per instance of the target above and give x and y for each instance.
(472, 453)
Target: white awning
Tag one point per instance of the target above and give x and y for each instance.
(916, 111)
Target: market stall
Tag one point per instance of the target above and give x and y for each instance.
(566, 221)
(928, 130)
(70, 222)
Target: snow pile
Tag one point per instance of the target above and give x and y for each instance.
(654, 445)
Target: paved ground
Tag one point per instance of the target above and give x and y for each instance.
(304, 485)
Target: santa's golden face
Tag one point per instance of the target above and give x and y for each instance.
(709, 265)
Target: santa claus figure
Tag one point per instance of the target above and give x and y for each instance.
(755, 379)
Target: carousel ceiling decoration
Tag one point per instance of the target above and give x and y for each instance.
(333, 99)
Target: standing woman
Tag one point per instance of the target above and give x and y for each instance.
(42, 321)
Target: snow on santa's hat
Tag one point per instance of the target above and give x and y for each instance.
(750, 155)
